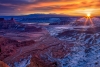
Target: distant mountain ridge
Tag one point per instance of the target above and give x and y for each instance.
(38, 15)
(38, 18)
(16, 26)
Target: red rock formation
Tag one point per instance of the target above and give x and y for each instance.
(38, 62)
(2, 64)
(8, 46)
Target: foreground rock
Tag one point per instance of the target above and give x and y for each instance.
(8, 46)
(51, 52)
(2, 64)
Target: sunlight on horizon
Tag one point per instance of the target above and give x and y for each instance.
(89, 20)
(88, 15)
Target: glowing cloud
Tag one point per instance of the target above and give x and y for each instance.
(69, 7)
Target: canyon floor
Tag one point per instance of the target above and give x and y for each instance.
(52, 46)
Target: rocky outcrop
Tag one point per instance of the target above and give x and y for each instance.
(2, 64)
(8, 46)
(16, 26)
(37, 62)
(89, 36)
(51, 52)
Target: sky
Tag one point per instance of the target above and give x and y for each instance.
(68, 7)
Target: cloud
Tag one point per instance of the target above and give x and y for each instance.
(72, 7)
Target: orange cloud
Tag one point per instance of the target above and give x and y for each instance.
(69, 7)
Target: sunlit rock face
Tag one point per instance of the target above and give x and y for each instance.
(2, 64)
(8, 47)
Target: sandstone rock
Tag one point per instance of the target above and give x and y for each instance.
(2, 64)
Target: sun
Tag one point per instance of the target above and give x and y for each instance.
(89, 20)
(88, 15)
